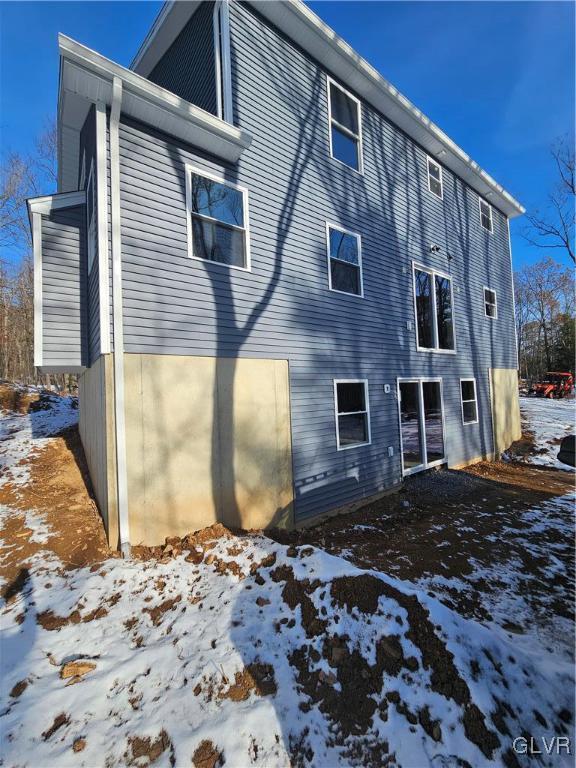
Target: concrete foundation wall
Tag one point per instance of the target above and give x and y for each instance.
(505, 407)
(208, 439)
(95, 394)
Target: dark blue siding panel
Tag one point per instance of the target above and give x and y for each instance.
(283, 308)
(187, 68)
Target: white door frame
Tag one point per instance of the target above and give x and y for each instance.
(419, 380)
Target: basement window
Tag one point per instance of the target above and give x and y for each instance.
(345, 126)
(434, 314)
(485, 215)
(352, 413)
(344, 261)
(490, 306)
(469, 401)
(435, 178)
(218, 213)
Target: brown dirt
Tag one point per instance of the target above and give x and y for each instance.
(60, 490)
(255, 678)
(59, 721)
(444, 522)
(149, 749)
(12, 399)
(296, 592)
(157, 613)
(206, 755)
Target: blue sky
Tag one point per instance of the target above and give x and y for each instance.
(498, 77)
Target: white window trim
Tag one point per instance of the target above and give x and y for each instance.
(462, 401)
(431, 271)
(189, 170)
(360, 169)
(330, 225)
(419, 380)
(484, 289)
(480, 201)
(437, 164)
(91, 221)
(344, 413)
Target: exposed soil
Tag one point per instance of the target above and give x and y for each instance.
(145, 751)
(450, 523)
(206, 756)
(255, 678)
(60, 489)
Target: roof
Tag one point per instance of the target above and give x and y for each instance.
(304, 27)
(86, 78)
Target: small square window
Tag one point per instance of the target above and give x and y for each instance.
(345, 131)
(490, 305)
(345, 268)
(486, 215)
(469, 401)
(435, 178)
(352, 413)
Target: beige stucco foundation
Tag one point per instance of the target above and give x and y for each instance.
(505, 408)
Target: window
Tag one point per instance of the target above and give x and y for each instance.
(433, 306)
(485, 215)
(469, 401)
(91, 218)
(218, 214)
(344, 261)
(345, 127)
(435, 178)
(490, 308)
(352, 413)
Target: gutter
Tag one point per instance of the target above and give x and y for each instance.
(118, 354)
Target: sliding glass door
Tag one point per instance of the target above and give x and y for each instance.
(421, 424)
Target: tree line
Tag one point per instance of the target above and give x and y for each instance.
(544, 291)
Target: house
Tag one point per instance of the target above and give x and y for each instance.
(282, 286)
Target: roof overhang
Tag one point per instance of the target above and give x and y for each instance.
(299, 23)
(86, 78)
(48, 203)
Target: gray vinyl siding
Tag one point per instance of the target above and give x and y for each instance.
(188, 66)
(88, 149)
(64, 316)
(283, 308)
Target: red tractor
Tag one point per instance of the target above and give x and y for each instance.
(553, 385)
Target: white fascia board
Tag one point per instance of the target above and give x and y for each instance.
(299, 23)
(47, 203)
(303, 26)
(86, 77)
(166, 27)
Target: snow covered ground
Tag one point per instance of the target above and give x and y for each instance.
(549, 421)
(247, 651)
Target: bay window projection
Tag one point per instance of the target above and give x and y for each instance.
(352, 413)
(434, 313)
(218, 212)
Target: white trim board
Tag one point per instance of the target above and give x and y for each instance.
(302, 25)
(38, 319)
(47, 203)
(102, 213)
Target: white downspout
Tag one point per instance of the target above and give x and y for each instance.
(119, 413)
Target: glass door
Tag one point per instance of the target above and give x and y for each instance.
(410, 426)
(421, 424)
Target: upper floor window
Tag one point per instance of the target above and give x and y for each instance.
(490, 306)
(485, 215)
(91, 218)
(344, 261)
(218, 214)
(435, 178)
(352, 413)
(434, 313)
(345, 126)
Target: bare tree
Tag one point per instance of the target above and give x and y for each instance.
(21, 177)
(553, 227)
